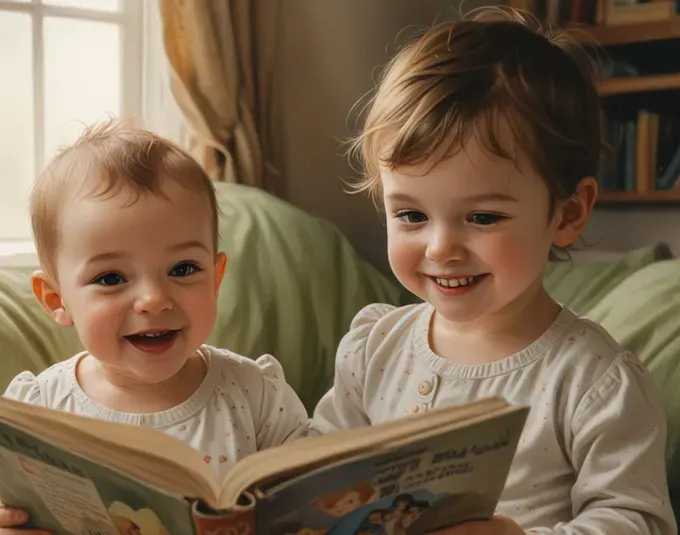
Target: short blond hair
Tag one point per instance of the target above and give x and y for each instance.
(109, 158)
(461, 78)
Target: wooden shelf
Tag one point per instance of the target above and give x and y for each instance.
(627, 33)
(639, 84)
(634, 197)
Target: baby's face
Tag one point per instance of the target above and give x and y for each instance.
(139, 280)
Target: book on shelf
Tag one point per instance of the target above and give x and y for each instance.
(618, 170)
(78, 475)
(579, 13)
(667, 172)
(638, 12)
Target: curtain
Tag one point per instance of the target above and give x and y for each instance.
(221, 54)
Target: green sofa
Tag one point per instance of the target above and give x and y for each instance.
(294, 283)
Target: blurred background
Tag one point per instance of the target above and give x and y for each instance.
(261, 92)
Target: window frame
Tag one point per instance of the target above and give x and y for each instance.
(130, 19)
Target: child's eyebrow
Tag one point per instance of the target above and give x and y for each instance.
(400, 197)
(492, 197)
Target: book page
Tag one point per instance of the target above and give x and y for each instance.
(68, 494)
(429, 484)
(157, 458)
(71, 499)
(286, 461)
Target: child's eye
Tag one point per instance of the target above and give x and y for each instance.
(411, 216)
(184, 269)
(484, 219)
(109, 279)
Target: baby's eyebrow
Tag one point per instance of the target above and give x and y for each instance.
(112, 255)
(190, 244)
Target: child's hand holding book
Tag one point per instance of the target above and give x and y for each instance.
(11, 521)
(498, 525)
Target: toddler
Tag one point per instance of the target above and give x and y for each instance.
(482, 142)
(126, 229)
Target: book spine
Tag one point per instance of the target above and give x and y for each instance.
(237, 522)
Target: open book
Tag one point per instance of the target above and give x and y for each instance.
(81, 476)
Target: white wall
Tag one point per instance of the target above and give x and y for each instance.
(624, 228)
(328, 57)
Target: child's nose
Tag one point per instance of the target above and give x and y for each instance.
(446, 244)
(152, 299)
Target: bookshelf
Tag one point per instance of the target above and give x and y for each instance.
(604, 35)
(642, 101)
(639, 84)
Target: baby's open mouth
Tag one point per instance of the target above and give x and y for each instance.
(152, 338)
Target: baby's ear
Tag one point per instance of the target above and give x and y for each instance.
(220, 268)
(50, 298)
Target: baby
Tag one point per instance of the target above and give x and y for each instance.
(126, 229)
(482, 142)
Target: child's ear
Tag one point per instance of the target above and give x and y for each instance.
(50, 298)
(220, 268)
(576, 212)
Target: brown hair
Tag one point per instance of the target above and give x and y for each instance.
(109, 158)
(461, 78)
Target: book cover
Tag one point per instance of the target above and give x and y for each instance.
(406, 477)
(432, 483)
(69, 494)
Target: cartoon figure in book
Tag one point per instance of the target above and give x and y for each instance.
(297, 529)
(403, 512)
(339, 504)
(409, 516)
(125, 526)
(135, 522)
(323, 513)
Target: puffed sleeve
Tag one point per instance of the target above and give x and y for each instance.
(25, 387)
(342, 407)
(282, 416)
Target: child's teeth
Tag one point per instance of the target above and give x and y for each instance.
(455, 283)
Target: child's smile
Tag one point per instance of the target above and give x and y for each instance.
(457, 284)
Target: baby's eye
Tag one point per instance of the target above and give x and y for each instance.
(184, 269)
(484, 219)
(109, 279)
(411, 216)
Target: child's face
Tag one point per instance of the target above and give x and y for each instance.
(139, 281)
(471, 216)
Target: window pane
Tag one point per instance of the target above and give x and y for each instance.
(82, 77)
(17, 158)
(99, 5)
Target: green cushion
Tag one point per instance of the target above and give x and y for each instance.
(29, 339)
(643, 315)
(292, 286)
(581, 285)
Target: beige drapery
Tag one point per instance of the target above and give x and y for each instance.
(222, 57)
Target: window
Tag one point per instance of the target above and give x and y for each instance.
(63, 64)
